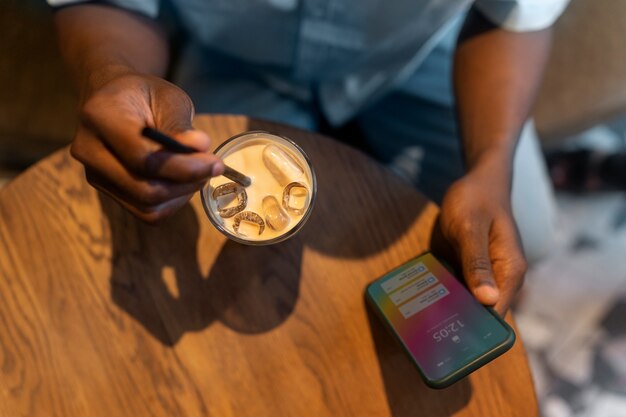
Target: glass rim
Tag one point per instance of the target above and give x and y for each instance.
(289, 233)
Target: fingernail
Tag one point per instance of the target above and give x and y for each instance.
(487, 294)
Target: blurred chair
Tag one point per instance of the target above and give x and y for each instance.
(585, 82)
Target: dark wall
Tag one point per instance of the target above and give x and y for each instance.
(37, 100)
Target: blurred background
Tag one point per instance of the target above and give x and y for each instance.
(572, 311)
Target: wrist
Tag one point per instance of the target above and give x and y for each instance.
(495, 156)
(498, 152)
(494, 167)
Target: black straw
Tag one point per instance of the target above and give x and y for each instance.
(175, 146)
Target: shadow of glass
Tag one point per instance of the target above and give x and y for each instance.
(257, 287)
(407, 395)
(156, 278)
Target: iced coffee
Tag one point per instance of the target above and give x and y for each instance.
(277, 202)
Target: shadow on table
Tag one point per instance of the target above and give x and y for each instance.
(156, 278)
(407, 395)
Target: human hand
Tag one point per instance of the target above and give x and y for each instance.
(148, 180)
(477, 221)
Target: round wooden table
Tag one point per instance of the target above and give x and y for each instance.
(102, 315)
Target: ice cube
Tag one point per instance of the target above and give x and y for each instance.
(296, 198)
(275, 216)
(224, 196)
(247, 217)
(282, 165)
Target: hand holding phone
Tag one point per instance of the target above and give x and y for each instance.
(446, 332)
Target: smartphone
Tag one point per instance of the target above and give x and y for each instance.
(445, 331)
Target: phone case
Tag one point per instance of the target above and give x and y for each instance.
(460, 373)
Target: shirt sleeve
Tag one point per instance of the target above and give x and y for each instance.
(522, 15)
(149, 8)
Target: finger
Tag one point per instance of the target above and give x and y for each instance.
(151, 160)
(473, 247)
(144, 194)
(195, 139)
(151, 216)
(158, 163)
(509, 263)
(172, 108)
(167, 165)
(441, 247)
(180, 167)
(119, 121)
(133, 203)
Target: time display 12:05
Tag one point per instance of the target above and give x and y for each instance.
(448, 330)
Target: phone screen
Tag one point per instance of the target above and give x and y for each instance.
(439, 322)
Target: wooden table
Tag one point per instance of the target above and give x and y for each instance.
(101, 315)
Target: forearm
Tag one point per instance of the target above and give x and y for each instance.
(98, 42)
(496, 76)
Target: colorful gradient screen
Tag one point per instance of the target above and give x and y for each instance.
(437, 319)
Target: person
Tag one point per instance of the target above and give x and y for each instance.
(444, 114)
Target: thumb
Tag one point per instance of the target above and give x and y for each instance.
(172, 108)
(173, 114)
(196, 139)
(474, 254)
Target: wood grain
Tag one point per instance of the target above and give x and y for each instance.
(101, 315)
